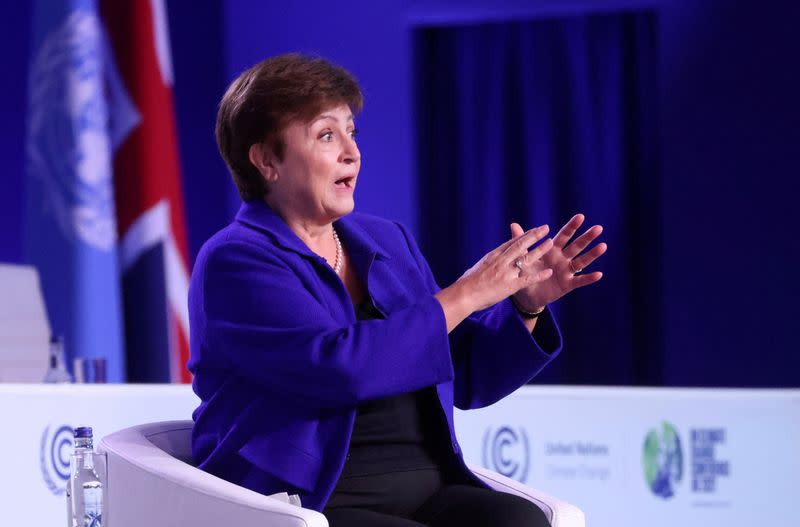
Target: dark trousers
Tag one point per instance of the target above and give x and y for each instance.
(420, 498)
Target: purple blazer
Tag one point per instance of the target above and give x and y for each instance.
(280, 362)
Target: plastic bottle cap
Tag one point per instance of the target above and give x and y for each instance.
(83, 431)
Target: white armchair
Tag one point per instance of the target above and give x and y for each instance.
(152, 481)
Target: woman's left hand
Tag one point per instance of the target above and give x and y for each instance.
(566, 261)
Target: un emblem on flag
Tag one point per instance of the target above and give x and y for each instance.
(68, 147)
(54, 458)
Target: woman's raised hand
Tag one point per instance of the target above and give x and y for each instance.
(566, 260)
(496, 276)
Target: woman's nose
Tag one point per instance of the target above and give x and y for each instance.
(350, 153)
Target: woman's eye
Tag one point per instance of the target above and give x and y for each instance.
(353, 133)
(327, 136)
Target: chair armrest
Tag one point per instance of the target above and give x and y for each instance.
(560, 513)
(143, 478)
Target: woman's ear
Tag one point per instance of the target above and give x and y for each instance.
(261, 157)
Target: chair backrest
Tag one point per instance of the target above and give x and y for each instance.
(156, 459)
(173, 437)
(150, 468)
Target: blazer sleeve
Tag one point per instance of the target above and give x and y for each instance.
(258, 321)
(493, 352)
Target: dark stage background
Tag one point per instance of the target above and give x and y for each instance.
(672, 122)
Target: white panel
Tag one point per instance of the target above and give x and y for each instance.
(586, 446)
(583, 445)
(24, 327)
(37, 456)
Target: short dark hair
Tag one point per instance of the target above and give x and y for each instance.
(263, 100)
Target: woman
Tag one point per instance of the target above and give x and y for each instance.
(326, 357)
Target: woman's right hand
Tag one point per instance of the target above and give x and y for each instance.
(494, 278)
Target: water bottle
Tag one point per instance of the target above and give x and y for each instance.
(85, 485)
(57, 372)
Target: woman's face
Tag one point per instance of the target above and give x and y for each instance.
(317, 176)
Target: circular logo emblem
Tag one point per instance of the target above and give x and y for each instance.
(54, 455)
(506, 451)
(662, 460)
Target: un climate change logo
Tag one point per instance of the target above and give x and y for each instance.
(662, 460)
(54, 454)
(506, 451)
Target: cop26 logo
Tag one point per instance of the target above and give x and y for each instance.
(507, 452)
(54, 457)
(73, 82)
(662, 460)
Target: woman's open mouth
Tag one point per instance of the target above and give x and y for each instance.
(346, 182)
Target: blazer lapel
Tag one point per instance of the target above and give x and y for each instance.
(374, 266)
(372, 262)
(259, 215)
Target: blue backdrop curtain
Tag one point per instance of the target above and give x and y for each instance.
(532, 122)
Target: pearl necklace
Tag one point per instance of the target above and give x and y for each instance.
(337, 265)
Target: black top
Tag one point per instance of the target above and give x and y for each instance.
(397, 433)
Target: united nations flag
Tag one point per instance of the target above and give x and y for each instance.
(71, 231)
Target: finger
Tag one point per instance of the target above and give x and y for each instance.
(568, 230)
(522, 245)
(516, 230)
(585, 279)
(503, 246)
(537, 253)
(519, 246)
(535, 278)
(585, 260)
(581, 242)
